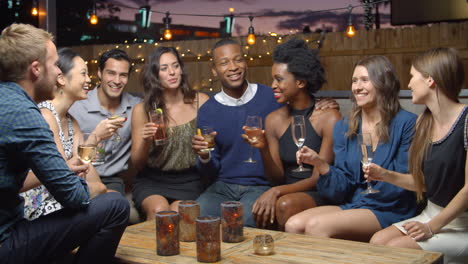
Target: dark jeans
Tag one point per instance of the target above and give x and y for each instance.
(96, 230)
(210, 200)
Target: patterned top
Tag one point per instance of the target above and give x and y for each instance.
(177, 153)
(38, 201)
(26, 142)
(465, 136)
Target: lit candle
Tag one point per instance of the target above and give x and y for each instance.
(232, 221)
(167, 233)
(208, 239)
(188, 212)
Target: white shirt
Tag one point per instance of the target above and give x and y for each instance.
(225, 99)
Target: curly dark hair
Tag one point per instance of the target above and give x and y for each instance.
(152, 86)
(303, 63)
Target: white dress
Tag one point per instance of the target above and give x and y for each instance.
(38, 201)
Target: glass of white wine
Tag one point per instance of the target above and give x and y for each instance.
(298, 132)
(253, 128)
(367, 154)
(87, 147)
(114, 116)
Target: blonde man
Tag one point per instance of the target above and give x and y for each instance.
(28, 72)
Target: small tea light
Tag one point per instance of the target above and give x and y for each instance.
(263, 245)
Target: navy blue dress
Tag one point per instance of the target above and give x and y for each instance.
(345, 181)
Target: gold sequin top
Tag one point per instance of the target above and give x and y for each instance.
(177, 153)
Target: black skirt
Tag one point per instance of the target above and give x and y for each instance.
(172, 185)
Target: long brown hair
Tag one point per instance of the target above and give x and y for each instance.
(152, 85)
(383, 77)
(446, 69)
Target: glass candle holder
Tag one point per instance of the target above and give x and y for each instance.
(188, 213)
(167, 233)
(263, 245)
(208, 239)
(232, 221)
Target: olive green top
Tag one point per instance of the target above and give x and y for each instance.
(176, 154)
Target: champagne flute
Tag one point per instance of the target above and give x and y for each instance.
(87, 147)
(367, 154)
(253, 129)
(298, 132)
(117, 136)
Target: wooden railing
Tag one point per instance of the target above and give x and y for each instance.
(338, 53)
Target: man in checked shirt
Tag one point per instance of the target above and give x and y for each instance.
(28, 72)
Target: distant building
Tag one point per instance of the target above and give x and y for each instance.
(109, 31)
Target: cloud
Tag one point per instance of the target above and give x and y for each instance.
(139, 3)
(316, 19)
(237, 1)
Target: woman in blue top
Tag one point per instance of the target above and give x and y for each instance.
(376, 110)
(437, 161)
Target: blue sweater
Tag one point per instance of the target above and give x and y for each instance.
(345, 181)
(227, 160)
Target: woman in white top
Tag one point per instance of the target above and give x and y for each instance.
(72, 85)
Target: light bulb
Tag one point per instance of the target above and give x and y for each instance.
(251, 39)
(350, 31)
(93, 19)
(167, 34)
(34, 11)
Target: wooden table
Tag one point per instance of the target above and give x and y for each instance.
(138, 245)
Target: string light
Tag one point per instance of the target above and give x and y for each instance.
(34, 10)
(350, 30)
(167, 32)
(251, 36)
(93, 19)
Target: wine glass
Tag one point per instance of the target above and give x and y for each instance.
(253, 129)
(367, 154)
(87, 147)
(117, 136)
(298, 134)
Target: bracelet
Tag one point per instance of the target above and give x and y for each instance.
(430, 230)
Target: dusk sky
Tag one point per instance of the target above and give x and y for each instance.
(282, 17)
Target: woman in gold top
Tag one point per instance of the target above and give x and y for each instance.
(167, 172)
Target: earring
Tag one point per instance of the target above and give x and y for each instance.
(61, 91)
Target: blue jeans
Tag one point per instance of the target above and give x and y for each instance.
(96, 230)
(210, 200)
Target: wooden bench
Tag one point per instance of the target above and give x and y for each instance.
(138, 245)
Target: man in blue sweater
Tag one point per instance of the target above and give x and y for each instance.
(226, 113)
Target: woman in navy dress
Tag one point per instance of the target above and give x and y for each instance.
(376, 110)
